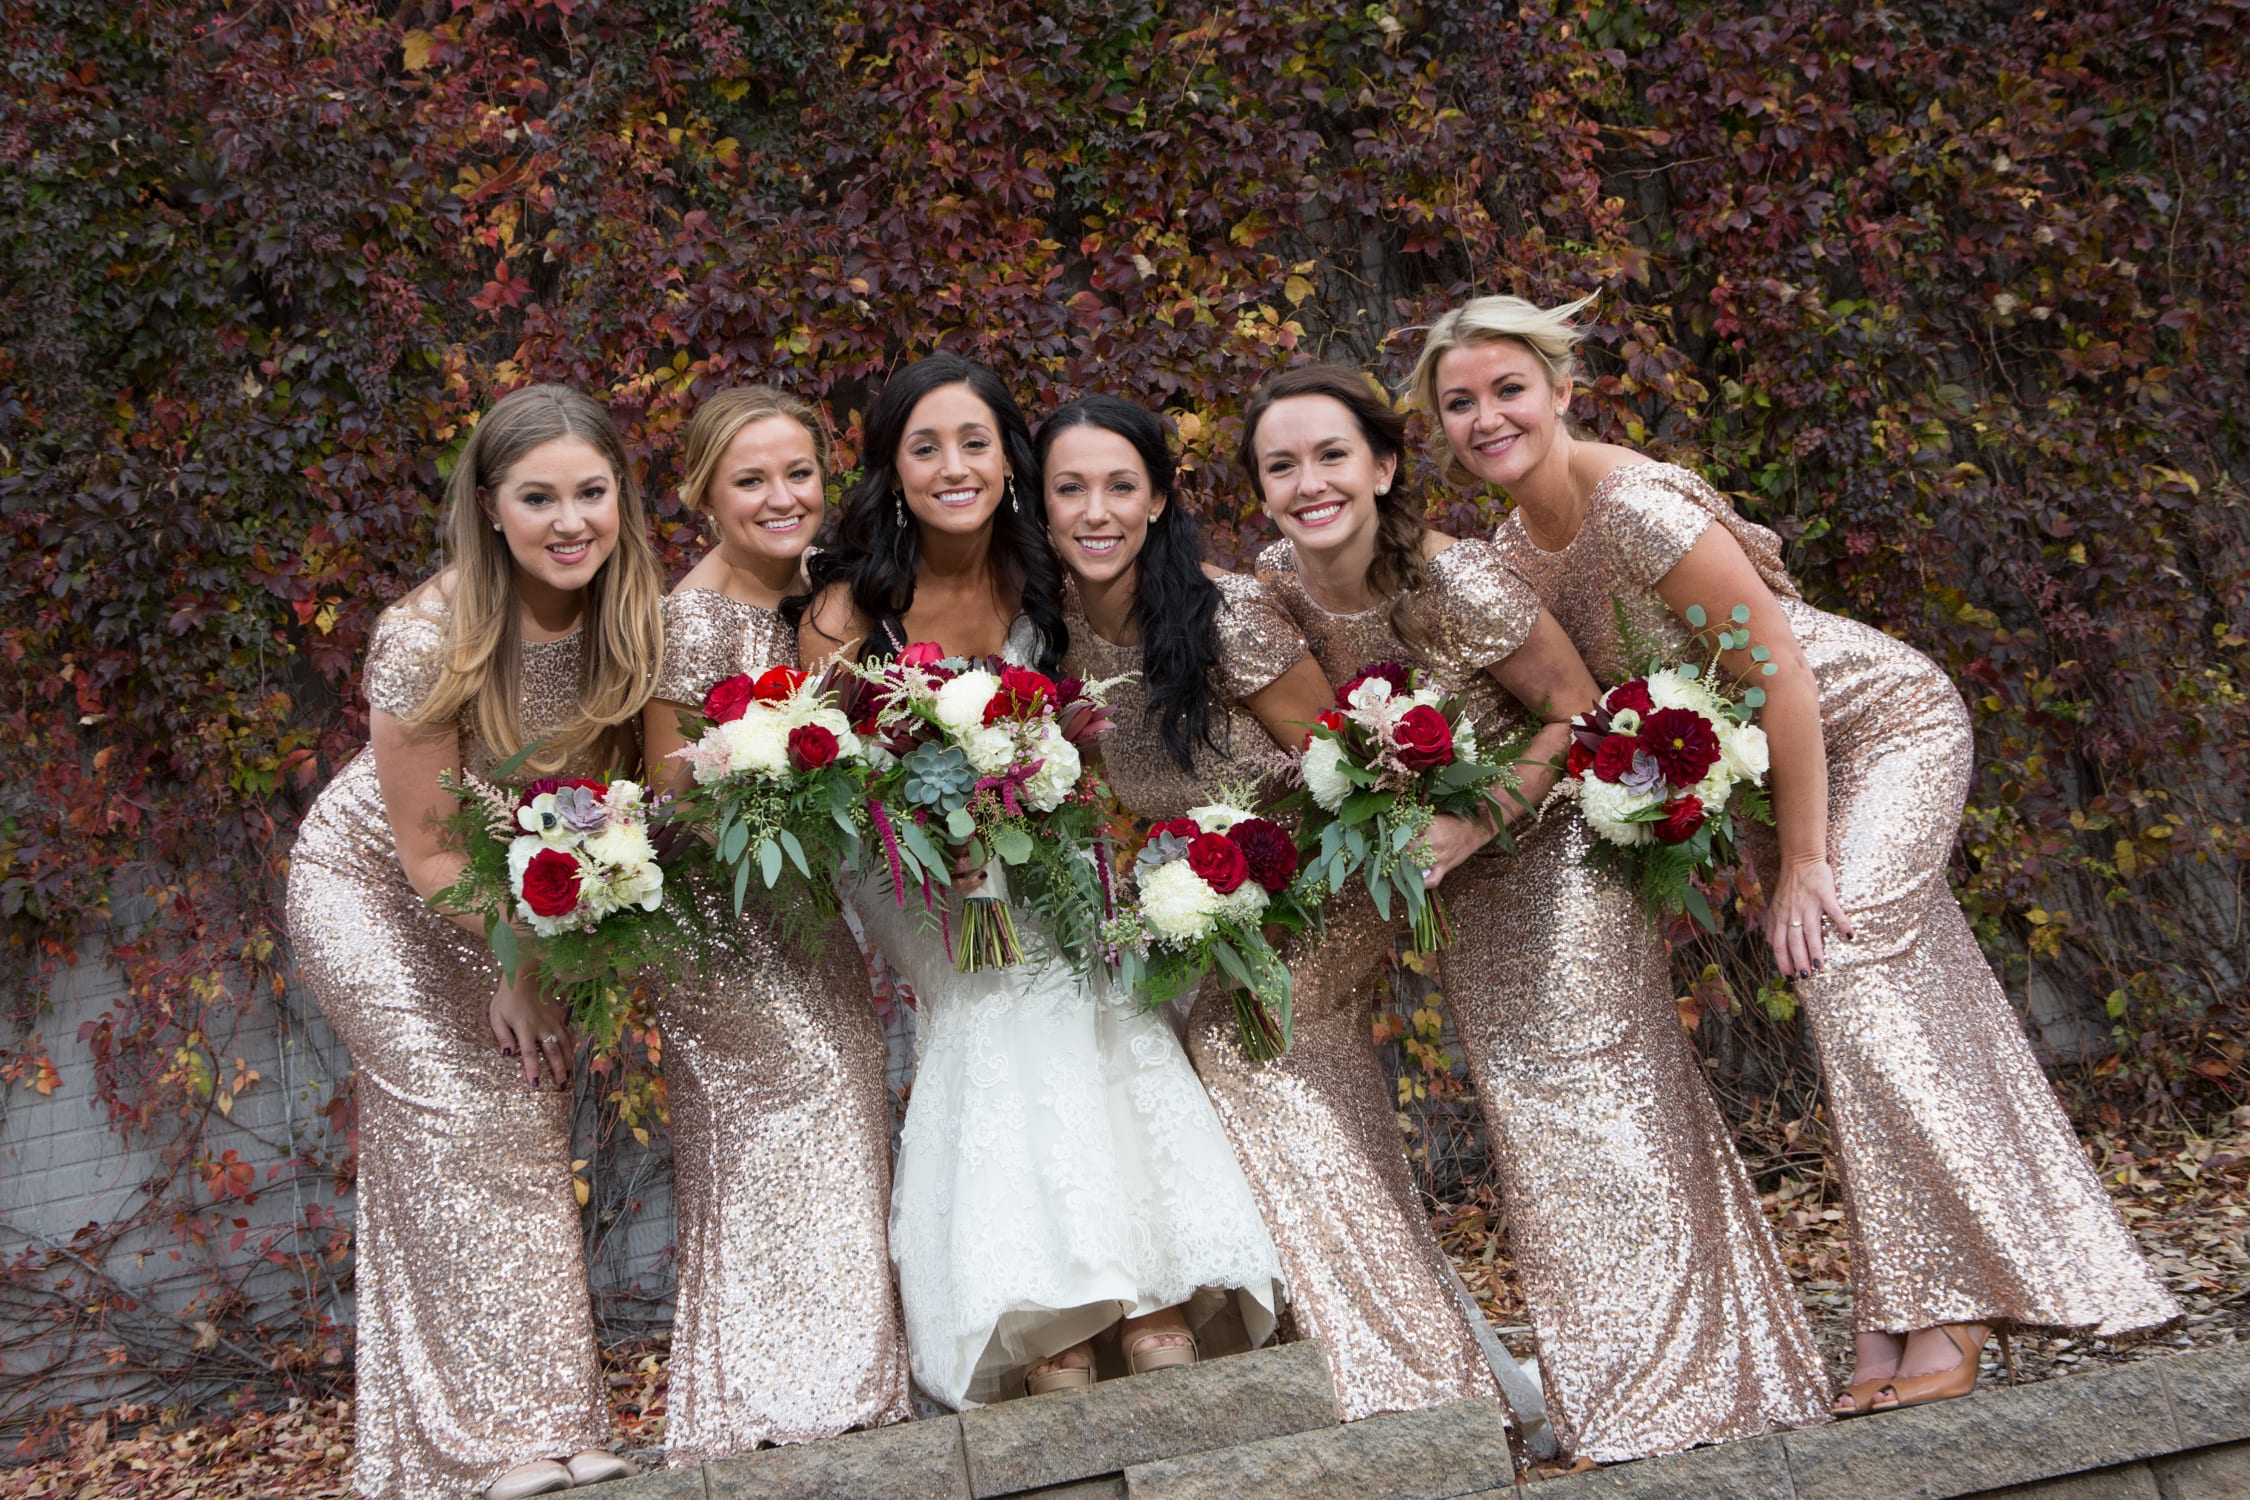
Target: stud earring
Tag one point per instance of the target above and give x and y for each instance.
(496, 526)
(898, 508)
(1384, 488)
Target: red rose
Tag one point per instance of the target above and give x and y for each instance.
(1425, 740)
(1682, 817)
(810, 747)
(1684, 743)
(922, 654)
(1615, 757)
(547, 784)
(729, 698)
(1328, 719)
(1576, 763)
(550, 883)
(776, 683)
(1022, 694)
(1218, 859)
(1179, 828)
(1632, 695)
(1268, 851)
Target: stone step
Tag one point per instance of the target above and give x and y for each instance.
(1435, 1454)
(1074, 1444)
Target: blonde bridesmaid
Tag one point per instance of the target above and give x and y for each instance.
(1220, 687)
(477, 1368)
(1663, 1315)
(1971, 1203)
(786, 1328)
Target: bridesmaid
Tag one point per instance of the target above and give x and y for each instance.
(786, 1327)
(1971, 1202)
(477, 1364)
(1222, 685)
(1663, 1314)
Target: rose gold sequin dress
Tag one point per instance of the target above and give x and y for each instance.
(1970, 1198)
(475, 1328)
(786, 1327)
(1663, 1314)
(1314, 1129)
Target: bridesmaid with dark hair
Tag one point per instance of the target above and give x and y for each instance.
(1663, 1315)
(1060, 1169)
(1971, 1202)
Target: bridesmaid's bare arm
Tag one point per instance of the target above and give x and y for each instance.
(1288, 705)
(1547, 676)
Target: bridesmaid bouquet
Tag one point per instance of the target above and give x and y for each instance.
(780, 786)
(1208, 884)
(984, 756)
(1660, 767)
(1378, 769)
(572, 861)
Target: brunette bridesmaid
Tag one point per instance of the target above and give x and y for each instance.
(1971, 1201)
(477, 1368)
(786, 1328)
(1220, 687)
(1663, 1315)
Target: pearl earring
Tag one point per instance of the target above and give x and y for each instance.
(1384, 488)
(496, 526)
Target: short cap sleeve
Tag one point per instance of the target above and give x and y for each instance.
(708, 636)
(403, 664)
(1475, 612)
(1258, 641)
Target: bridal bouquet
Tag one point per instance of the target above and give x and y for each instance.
(1660, 767)
(1207, 886)
(1379, 768)
(570, 860)
(780, 786)
(984, 756)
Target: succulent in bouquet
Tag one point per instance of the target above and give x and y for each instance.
(566, 872)
(1664, 763)
(979, 760)
(780, 794)
(1393, 755)
(1206, 887)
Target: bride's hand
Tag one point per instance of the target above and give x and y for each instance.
(1450, 841)
(1803, 895)
(968, 871)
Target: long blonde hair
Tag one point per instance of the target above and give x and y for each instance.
(720, 417)
(621, 632)
(1547, 332)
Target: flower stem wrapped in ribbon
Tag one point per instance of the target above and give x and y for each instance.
(566, 873)
(1663, 764)
(982, 757)
(1379, 768)
(781, 790)
(1208, 885)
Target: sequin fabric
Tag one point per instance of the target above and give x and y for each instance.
(1663, 1315)
(1257, 643)
(1969, 1196)
(475, 1328)
(786, 1326)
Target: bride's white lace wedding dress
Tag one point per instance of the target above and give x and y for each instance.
(1060, 1167)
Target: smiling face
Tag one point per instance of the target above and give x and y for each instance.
(1319, 472)
(767, 494)
(1501, 412)
(1099, 502)
(557, 507)
(950, 464)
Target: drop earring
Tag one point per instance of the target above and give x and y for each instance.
(898, 508)
(1013, 508)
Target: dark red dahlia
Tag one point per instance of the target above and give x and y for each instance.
(1268, 850)
(1685, 744)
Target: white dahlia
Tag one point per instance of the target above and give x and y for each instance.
(1324, 774)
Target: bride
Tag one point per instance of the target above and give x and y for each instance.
(1061, 1167)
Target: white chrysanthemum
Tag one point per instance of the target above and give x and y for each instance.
(1743, 749)
(990, 748)
(1464, 740)
(1178, 904)
(880, 758)
(960, 703)
(1217, 817)
(1057, 774)
(1245, 903)
(1668, 689)
(1607, 805)
(620, 846)
(1714, 789)
(624, 799)
(1324, 774)
(757, 742)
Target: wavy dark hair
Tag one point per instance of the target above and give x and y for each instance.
(1175, 603)
(878, 559)
(1401, 521)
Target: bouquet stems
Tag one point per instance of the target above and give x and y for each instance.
(1263, 1039)
(1432, 929)
(988, 928)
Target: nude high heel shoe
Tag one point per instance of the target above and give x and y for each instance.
(540, 1477)
(1140, 1358)
(597, 1466)
(1903, 1391)
(1052, 1375)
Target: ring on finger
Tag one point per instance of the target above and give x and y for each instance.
(550, 1039)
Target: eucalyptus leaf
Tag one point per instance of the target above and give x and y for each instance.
(769, 862)
(796, 853)
(1013, 845)
(1696, 618)
(1740, 614)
